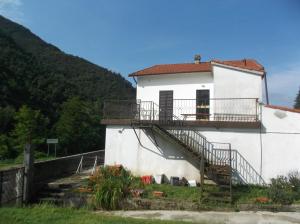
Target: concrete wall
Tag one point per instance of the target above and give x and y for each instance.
(273, 150)
(64, 166)
(122, 147)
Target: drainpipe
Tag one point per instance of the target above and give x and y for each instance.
(261, 141)
(266, 89)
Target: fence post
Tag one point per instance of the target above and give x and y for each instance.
(28, 173)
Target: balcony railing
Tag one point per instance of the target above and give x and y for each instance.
(221, 109)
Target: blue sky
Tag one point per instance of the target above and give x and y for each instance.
(125, 36)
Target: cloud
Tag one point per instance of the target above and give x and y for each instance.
(11, 9)
(284, 85)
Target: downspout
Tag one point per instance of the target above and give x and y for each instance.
(261, 143)
(266, 89)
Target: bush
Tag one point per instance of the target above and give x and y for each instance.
(294, 179)
(111, 185)
(281, 191)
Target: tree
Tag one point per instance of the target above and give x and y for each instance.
(6, 118)
(30, 127)
(297, 101)
(6, 151)
(78, 128)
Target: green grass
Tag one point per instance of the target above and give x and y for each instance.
(174, 192)
(241, 194)
(10, 163)
(46, 214)
(248, 193)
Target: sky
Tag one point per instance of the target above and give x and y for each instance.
(126, 36)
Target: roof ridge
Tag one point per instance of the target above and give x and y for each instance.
(205, 66)
(184, 63)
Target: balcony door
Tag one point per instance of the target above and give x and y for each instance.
(165, 105)
(202, 104)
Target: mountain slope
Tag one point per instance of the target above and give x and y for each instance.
(38, 74)
(88, 80)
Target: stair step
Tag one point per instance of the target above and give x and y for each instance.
(45, 194)
(51, 200)
(58, 186)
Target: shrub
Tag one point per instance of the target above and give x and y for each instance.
(281, 191)
(294, 179)
(109, 193)
(111, 185)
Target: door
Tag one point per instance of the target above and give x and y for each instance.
(166, 105)
(202, 104)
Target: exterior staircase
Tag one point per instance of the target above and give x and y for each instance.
(217, 161)
(64, 191)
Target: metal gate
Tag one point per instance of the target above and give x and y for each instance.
(11, 186)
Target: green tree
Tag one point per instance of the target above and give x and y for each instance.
(6, 118)
(6, 150)
(78, 128)
(297, 101)
(30, 128)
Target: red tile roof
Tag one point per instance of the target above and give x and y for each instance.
(283, 108)
(249, 64)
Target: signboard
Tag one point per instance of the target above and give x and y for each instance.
(52, 141)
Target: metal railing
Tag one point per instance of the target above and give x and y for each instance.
(243, 171)
(218, 109)
(215, 153)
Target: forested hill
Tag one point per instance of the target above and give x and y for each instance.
(42, 77)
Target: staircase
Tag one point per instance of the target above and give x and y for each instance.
(197, 146)
(64, 191)
(217, 161)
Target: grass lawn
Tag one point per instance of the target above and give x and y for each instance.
(10, 163)
(174, 192)
(241, 194)
(46, 214)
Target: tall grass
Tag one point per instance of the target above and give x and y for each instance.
(111, 185)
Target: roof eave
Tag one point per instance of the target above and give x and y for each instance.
(166, 73)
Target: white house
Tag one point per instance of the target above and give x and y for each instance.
(214, 111)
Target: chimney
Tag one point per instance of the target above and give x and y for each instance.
(197, 59)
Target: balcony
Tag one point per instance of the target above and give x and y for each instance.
(186, 111)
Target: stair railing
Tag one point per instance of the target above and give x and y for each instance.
(244, 170)
(215, 153)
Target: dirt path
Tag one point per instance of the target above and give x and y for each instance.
(216, 217)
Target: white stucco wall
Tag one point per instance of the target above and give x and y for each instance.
(122, 147)
(276, 151)
(281, 142)
(184, 85)
(232, 83)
